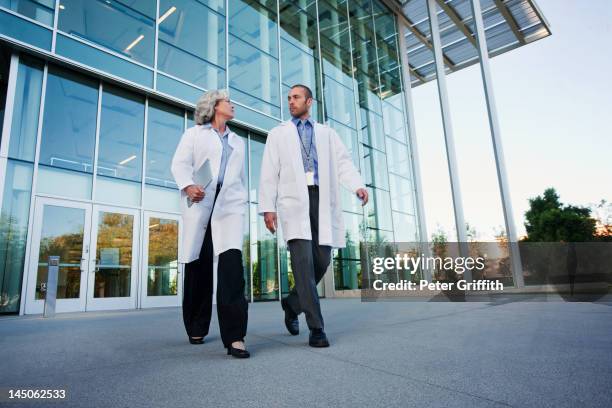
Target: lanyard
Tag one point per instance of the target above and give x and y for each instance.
(302, 143)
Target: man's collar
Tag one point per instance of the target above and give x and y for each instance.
(296, 120)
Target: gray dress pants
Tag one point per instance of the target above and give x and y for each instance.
(309, 261)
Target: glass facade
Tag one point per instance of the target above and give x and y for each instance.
(102, 143)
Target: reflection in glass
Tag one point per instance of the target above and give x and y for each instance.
(120, 147)
(256, 152)
(113, 255)
(379, 210)
(162, 258)
(39, 10)
(254, 21)
(347, 274)
(264, 259)
(253, 55)
(375, 169)
(299, 48)
(126, 27)
(26, 108)
(68, 131)
(61, 235)
(398, 157)
(192, 42)
(164, 130)
(13, 232)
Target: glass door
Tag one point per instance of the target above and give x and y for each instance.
(60, 228)
(113, 263)
(161, 281)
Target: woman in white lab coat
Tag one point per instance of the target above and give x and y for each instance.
(213, 223)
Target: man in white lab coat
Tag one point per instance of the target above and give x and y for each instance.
(303, 164)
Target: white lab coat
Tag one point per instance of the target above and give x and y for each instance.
(283, 189)
(196, 145)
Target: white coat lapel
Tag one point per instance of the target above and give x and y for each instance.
(322, 145)
(295, 150)
(210, 148)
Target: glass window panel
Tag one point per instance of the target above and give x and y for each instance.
(126, 27)
(13, 232)
(246, 115)
(349, 138)
(379, 210)
(394, 122)
(375, 164)
(26, 110)
(333, 26)
(372, 132)
(339, 102)
(264, 258)
(254, 21)
(69, 131)
(26, 31)
(256, 152)
(39, 10)
(178, 89)
(121, 135)
(398, 157)
(62, 182)
(405, 227)
(117, 191)
(164, 129)
(103, 61)
(254, 75)
(347, 274)
(162, 265)
(299, 67)
(113, 255)
(353, 224)
(192, 43)
(299, 45)
(161, 198)
(61, 235)
(402, 196)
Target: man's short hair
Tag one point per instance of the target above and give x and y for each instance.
(305, 88)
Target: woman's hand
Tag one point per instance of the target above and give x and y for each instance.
(195, 192)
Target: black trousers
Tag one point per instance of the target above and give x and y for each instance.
(232, 307)
(309, 261)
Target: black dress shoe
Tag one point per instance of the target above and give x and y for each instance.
(196, 341)
(238, 353)
(317, 338)
(291, 320)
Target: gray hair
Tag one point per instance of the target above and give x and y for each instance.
(205, 107)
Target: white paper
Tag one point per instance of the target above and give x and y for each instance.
(201, 177)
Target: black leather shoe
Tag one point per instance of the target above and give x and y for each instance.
(196, 341)
(318, 338)
(238, 353)
(291, 320)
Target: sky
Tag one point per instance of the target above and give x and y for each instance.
(554, 99)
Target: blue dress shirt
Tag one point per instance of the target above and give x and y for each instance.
(307, 137)
(227, 150)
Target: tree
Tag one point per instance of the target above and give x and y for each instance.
(602, 212)
(548, 220)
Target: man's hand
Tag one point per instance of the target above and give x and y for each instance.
(195, 192)
(270, 220)
(362, 193)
